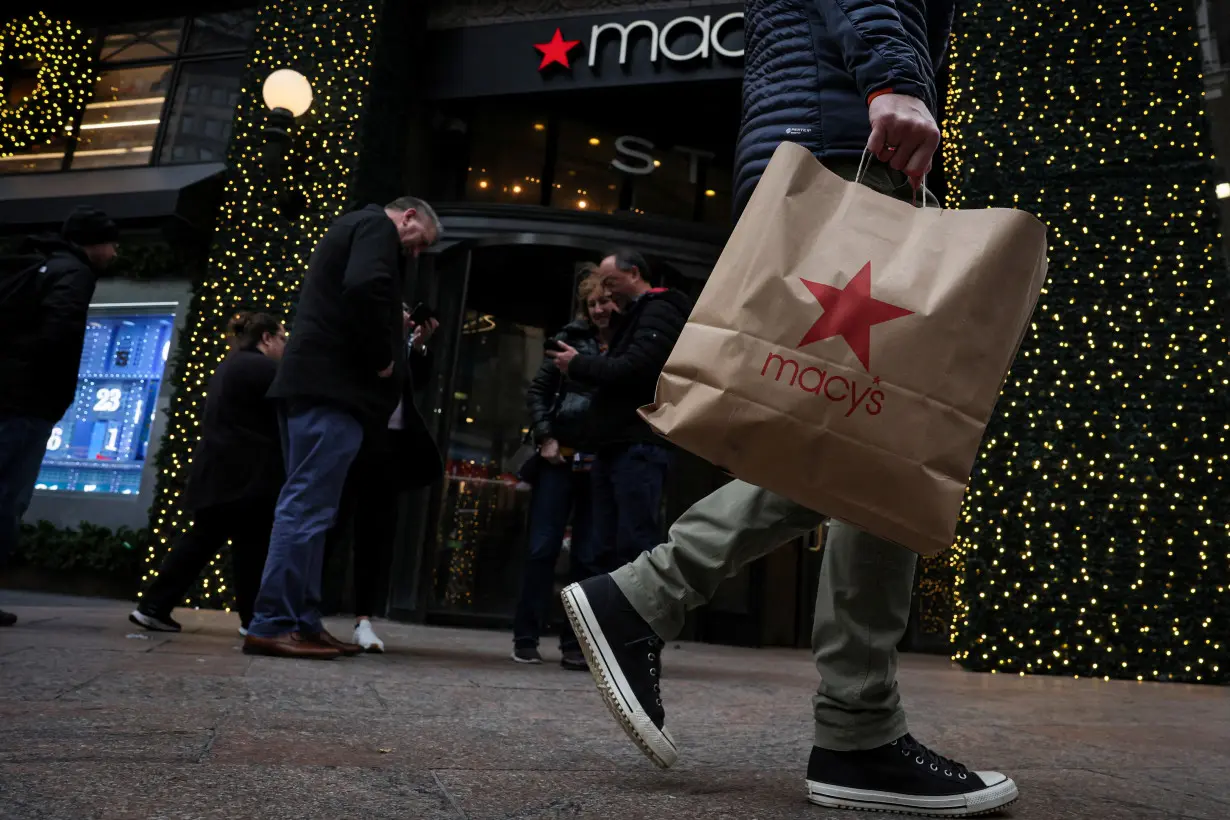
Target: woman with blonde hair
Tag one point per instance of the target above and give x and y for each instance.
(560, 475)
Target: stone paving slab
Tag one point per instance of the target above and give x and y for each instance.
(95, 723)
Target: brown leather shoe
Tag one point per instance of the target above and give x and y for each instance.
(325, 639)
(289, 645)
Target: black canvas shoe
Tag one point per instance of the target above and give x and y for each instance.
(625, 658)
(526, 654)
(154, 623)
(904, 777)
(7, 618)
(574, 661)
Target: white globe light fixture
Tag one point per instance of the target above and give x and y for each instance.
(288, 90)
(287, 94)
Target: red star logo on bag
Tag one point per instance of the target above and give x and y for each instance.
(556, 50)
(850, 312)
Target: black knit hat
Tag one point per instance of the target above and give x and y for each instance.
(89, 226)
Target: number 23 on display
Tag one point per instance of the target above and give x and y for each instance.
(108, 400)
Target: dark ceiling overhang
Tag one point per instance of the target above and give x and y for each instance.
(119, 11)
(183, 193)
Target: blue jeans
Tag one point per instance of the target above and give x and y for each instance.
(319, 443)
(23, 441)
(627, 484)
(560, 493)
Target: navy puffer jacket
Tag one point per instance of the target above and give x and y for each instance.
(811, 64)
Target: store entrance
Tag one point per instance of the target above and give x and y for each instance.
(516, 297)
(504, 286)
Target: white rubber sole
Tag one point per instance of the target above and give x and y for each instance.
(525, 662)
(1001, 794)
(657, 744)
(146, 622)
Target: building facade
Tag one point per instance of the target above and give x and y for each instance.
(546, 132)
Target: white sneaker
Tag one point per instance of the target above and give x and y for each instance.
(243, 633)
(366, 637)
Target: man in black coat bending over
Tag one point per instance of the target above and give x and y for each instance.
(630, 469)
(341, 378)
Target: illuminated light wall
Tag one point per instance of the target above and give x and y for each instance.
(1095, 539)
(262, 244)
(63, 84)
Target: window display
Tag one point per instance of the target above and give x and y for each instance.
(100, 444)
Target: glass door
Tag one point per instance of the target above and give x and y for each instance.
(516, 297)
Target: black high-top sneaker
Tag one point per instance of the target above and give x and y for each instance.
(154, 621)
(904, 777)
(625, 658)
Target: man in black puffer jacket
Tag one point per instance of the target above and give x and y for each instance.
(43, 310)
(630, 471)
(840, 77)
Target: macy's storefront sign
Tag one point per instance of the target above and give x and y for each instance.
(680, 40)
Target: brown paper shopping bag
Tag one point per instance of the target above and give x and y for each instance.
(848, 349)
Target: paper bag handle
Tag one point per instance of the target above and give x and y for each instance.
(865, 163)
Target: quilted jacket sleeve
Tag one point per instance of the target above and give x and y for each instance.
(878, 53)
(540, 399)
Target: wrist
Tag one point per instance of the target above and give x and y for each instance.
(879, 93)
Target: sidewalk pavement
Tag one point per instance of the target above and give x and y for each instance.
(101, 720)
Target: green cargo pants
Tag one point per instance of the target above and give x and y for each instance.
(863, 602)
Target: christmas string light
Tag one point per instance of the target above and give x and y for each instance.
(1095, 539)
(63, 83)
(260, 249)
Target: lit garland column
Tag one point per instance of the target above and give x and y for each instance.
(1095, 538)
(260, 250)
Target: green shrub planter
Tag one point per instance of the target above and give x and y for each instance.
(92, 560)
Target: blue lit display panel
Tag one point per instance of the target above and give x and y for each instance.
(99, 446)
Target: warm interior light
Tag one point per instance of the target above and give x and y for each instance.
(516, 189)
(657, 163)
(95, 126)
(539, 127)
(482, 183)
(126, 103)
(595, 141)
(1223, 190)
(287, 88)
(582, 204)
(710, 192)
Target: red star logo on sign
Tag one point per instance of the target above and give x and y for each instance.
(556, 50)
(850, 312)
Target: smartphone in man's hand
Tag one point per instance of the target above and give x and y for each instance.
(422, 314)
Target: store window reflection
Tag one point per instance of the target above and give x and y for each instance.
(584, 177)
(173, 77)
(154, 40)
(199, 124)
(669, 187)
(121, 122)
(482, 520)
(211, 33)
(507, 151)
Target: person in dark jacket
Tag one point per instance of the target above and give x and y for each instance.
(559, 411)
(234, 480)
(341, 378)
(842, 77)
(630, 471)
(401, 457)
(43, 310)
